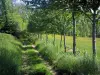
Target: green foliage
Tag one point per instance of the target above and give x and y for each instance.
(12, 20)
(35, 22)
(60, 21)
(49, 21)
(10, 55)
(27, 38)
(11, 28)
(84, 27)
(67, 62)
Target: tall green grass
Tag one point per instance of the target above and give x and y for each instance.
(81, 64)
(10, 55)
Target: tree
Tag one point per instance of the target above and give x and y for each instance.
(72, 5)
(91, 6)
(38, 22)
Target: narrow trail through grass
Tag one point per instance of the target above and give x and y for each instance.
(25, 64)
(33, 64)
(49, 67)
(46, 63)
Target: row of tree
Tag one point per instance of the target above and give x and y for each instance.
(83, 6)
(56, 18)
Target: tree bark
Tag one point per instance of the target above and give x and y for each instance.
(94, 34)
(54, 40)
(46, 38)
(64, 38)
(74, 32)
(38, 35)
(64, 41)
(41, 36)
(61, 41)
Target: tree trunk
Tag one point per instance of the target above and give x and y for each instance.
(74, 33)
(65, 42)
(38, 35)
(41, 36)
(61, 41)
(94, 34)
(46, 38)
(64, 33)
(54, 40)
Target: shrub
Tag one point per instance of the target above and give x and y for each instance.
(28, 38)
(11, 28)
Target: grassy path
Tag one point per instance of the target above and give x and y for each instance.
(33, 64)
(25, 64)
(49, 67)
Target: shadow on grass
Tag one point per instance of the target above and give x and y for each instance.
(26, 48)
(34, 60)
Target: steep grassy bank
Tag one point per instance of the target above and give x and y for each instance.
(10, 55)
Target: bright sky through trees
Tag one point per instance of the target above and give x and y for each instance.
(18, 2)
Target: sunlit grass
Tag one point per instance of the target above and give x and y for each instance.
(82, 43)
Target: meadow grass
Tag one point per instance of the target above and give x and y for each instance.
(82, 43)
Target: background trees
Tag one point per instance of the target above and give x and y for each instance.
(11, 19)
(81, 19)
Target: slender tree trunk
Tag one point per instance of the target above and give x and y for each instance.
(65, 41)
(54, 40)
(46, 37)
(74, 33)
(38, 35)
(61, 41)
(41, 36)
(64, 38)
(94, 34)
